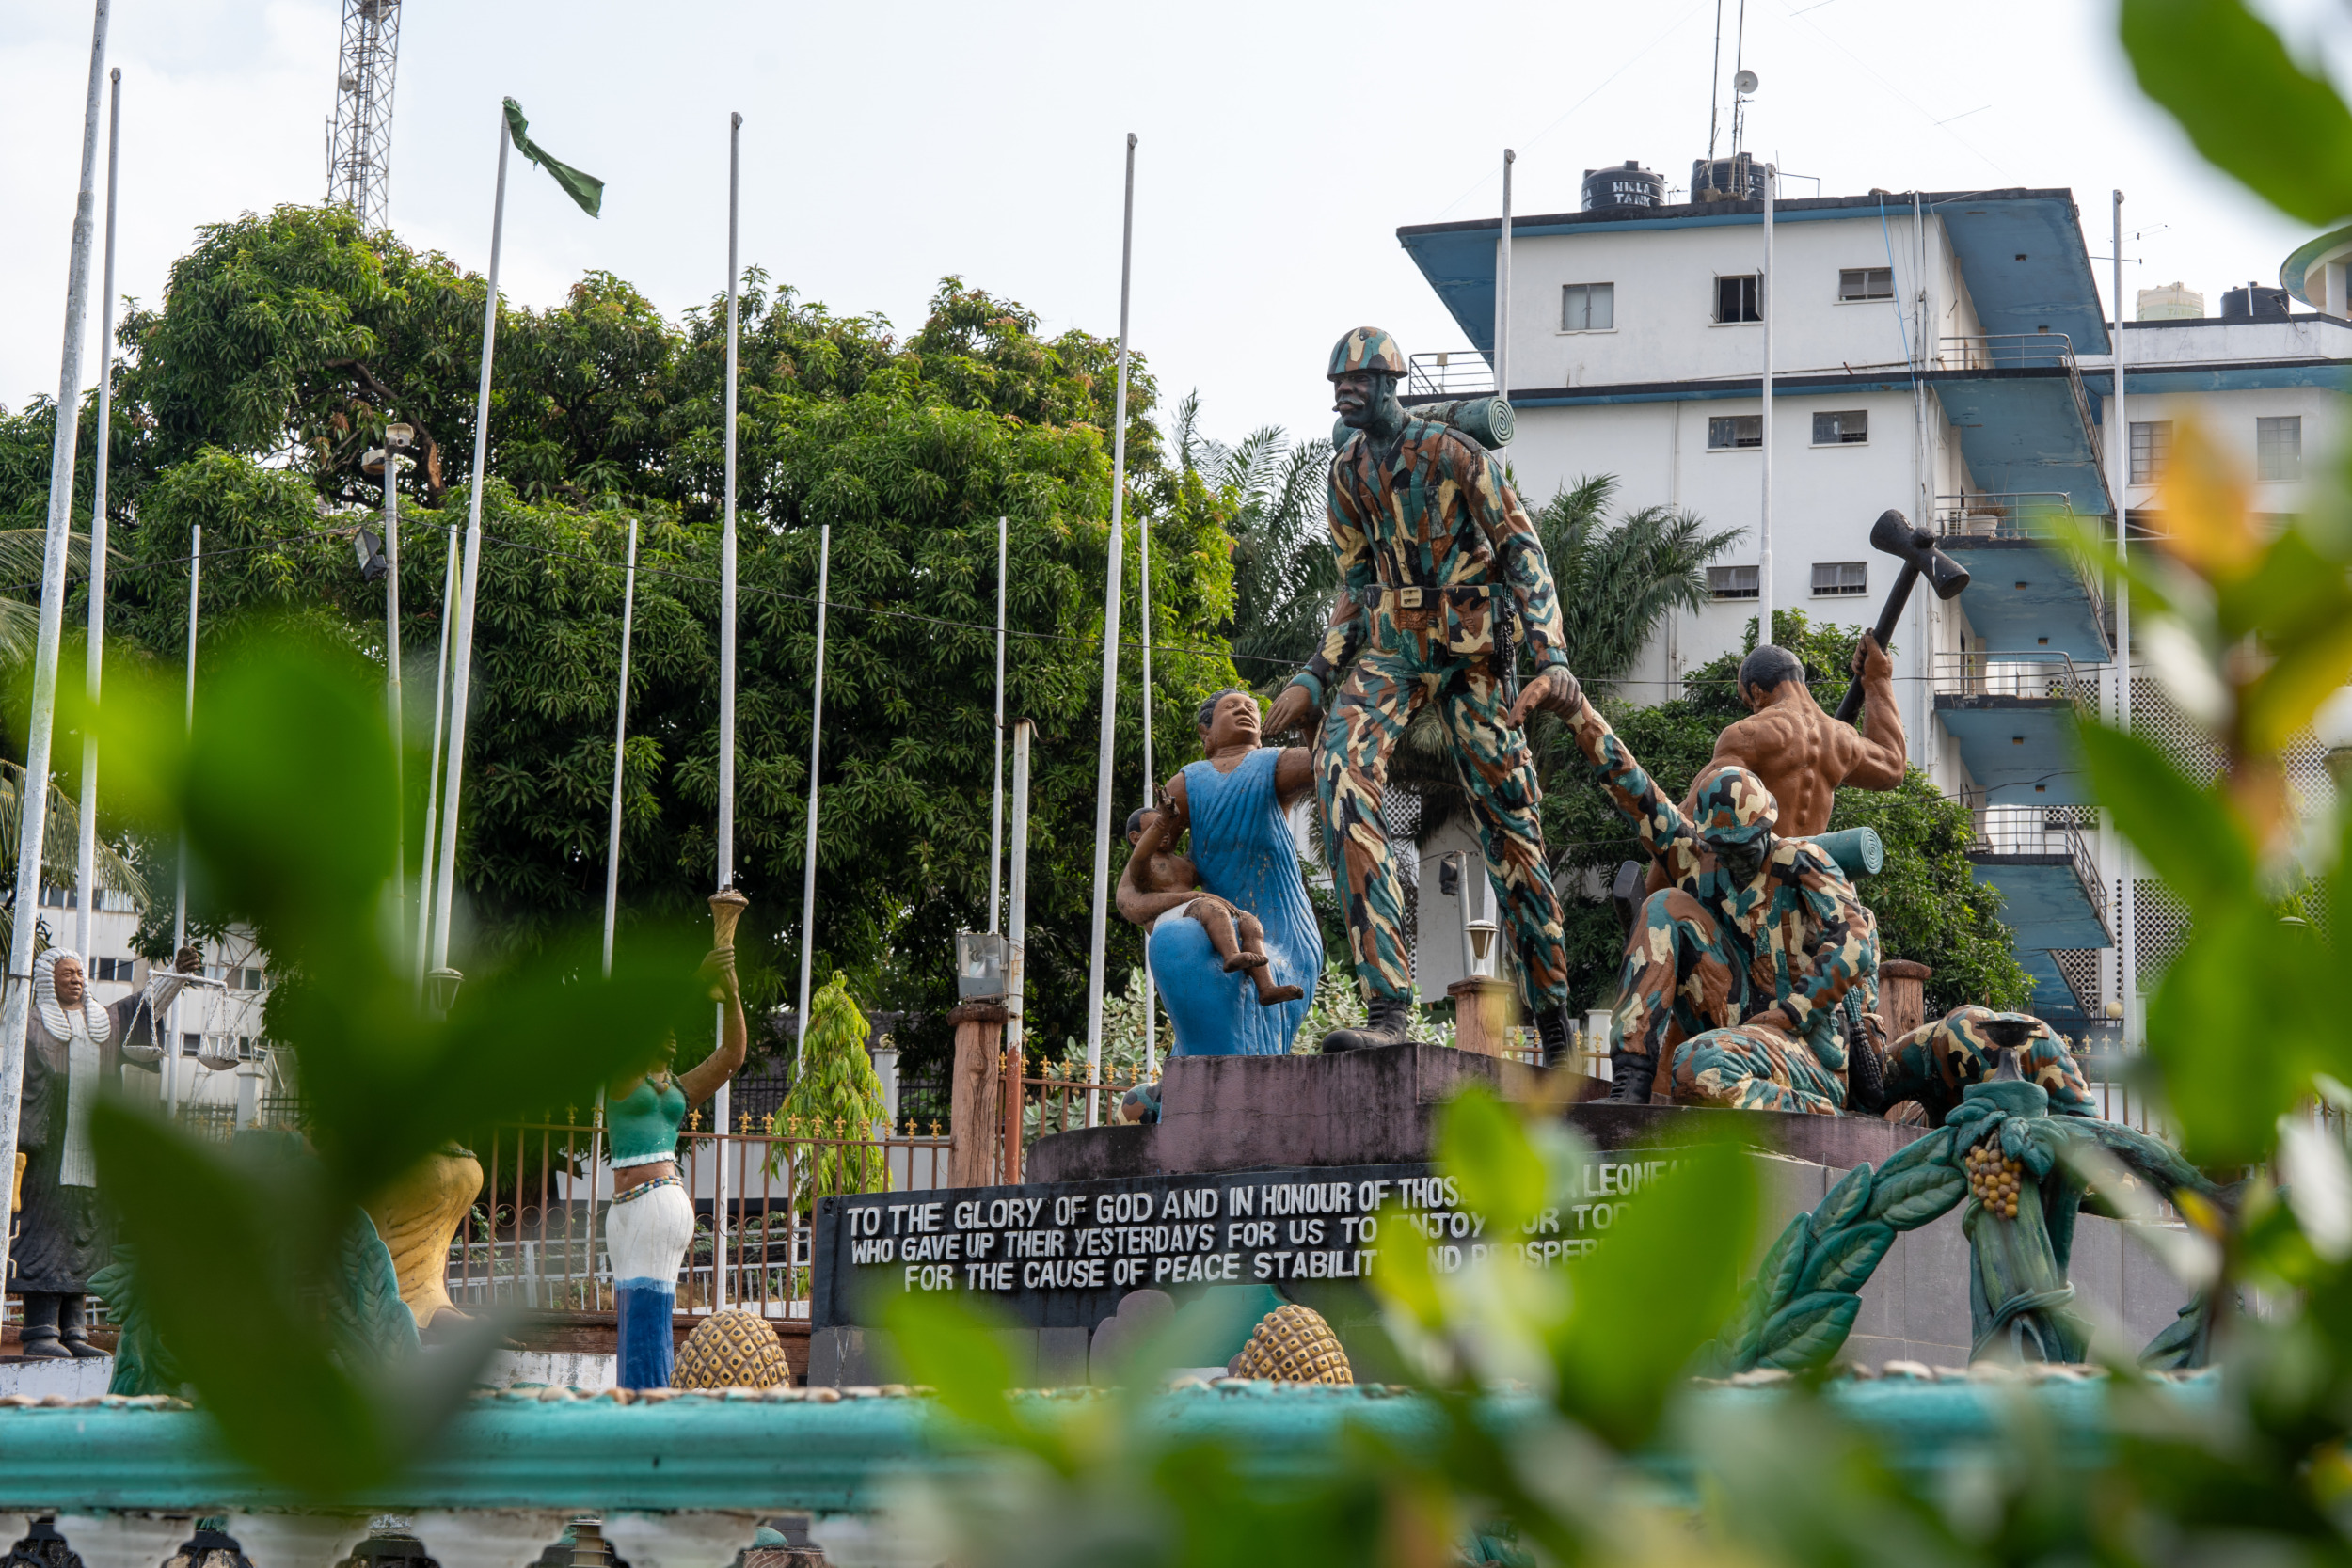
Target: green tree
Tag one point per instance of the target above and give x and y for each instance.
(836, 1097)
(284, 341)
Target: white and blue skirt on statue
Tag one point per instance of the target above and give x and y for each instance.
(647, 1233)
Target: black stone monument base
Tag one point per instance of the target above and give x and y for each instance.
(1379, 1107)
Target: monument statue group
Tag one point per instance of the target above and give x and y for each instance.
(1750, 970)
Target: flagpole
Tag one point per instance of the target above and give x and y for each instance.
(620, 742)
(33, 809)
(1143, 601)
(1110, 662)
(433, 762)
(392, 700)
(86, 847)
(461, 677)
(722, 1103)
(996, 792)
(816, 739)
(180, 914)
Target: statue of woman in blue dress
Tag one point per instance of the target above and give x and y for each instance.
(1233, 801)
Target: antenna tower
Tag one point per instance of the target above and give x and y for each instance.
(360, 140)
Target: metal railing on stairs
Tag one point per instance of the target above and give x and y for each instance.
(2029, 351)
(2023, 673)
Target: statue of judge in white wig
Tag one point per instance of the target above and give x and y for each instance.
(74, 1052)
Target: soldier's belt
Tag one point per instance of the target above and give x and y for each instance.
(1419, 596)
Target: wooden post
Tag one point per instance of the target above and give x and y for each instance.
(971, 1094)
(1482, 1014)
(1009, 1167)
(1902, 996)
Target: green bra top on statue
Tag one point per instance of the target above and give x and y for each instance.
(644, 1122)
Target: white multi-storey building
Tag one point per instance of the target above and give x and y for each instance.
(1944, 354)
(233, 1015)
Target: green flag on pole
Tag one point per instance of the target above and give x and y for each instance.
(586, 189)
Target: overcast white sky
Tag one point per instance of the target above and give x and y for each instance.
(885, 146)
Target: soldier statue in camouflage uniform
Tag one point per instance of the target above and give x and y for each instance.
(1734, 974)
(1932, 1066)
(1436, 558)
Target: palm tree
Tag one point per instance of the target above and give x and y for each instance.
(1283, 569)
(60, 841)
(22, 550)
(21, 565)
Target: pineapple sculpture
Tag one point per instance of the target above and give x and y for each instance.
(1293, 1344)
(732, 1350)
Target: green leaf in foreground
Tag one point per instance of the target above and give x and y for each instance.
(219, 1235)
(2245, 101)
(1656, 1290)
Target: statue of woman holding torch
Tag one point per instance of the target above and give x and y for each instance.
(651, 1222)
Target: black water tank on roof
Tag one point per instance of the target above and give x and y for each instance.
(1735, 179)
(1626, 185)
(2254, 303)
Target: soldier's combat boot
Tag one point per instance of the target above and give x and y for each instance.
(74, 1329)
(1387, 1018)
(40, 1326)
(1551, 1027)
(1630, 1077)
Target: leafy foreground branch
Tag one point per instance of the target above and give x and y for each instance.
(252, 1275)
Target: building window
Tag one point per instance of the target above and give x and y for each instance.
(2278, 450)
(1835, 579)
(1731, 582)
(111, 902)
(191, 1044)
(1847, 427)
(1865, 283)
(57, 899)
(111, 970)
(2152, 449)
(1727, 432)
(245, 980)
(1736, 299)
(1588, 306)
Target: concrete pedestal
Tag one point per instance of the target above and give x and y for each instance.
(1378, 1107)
(1239, 1113)
(1230, 1115)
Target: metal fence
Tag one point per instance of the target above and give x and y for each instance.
(534, 1238)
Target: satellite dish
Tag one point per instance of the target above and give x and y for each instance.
(1745, 83)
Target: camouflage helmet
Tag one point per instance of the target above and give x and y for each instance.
(1735, 810)
(1367, 348)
